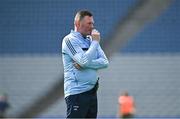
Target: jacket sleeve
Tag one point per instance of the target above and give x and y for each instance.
(73, 49)
(100, 62)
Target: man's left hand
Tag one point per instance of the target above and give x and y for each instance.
(77, 66)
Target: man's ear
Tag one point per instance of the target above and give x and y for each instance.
(77, 23)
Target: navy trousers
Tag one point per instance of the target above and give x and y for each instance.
(83, 105)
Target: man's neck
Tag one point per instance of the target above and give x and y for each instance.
(84, 36)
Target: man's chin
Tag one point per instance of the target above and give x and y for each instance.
(89, 33)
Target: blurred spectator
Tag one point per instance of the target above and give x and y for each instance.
(126, 105)
(4, 105)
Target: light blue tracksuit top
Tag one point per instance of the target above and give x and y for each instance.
(89, 55)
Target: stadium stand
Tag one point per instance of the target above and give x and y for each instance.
(147, 66)
(160, 36)
(39, 26)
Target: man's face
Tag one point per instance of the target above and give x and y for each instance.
(86, 25)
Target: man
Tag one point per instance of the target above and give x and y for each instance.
(126, 105)
(4, 105)
(82, 58)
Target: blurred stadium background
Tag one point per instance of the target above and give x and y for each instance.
(140, 37)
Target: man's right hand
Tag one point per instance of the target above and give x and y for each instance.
(95, 35)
